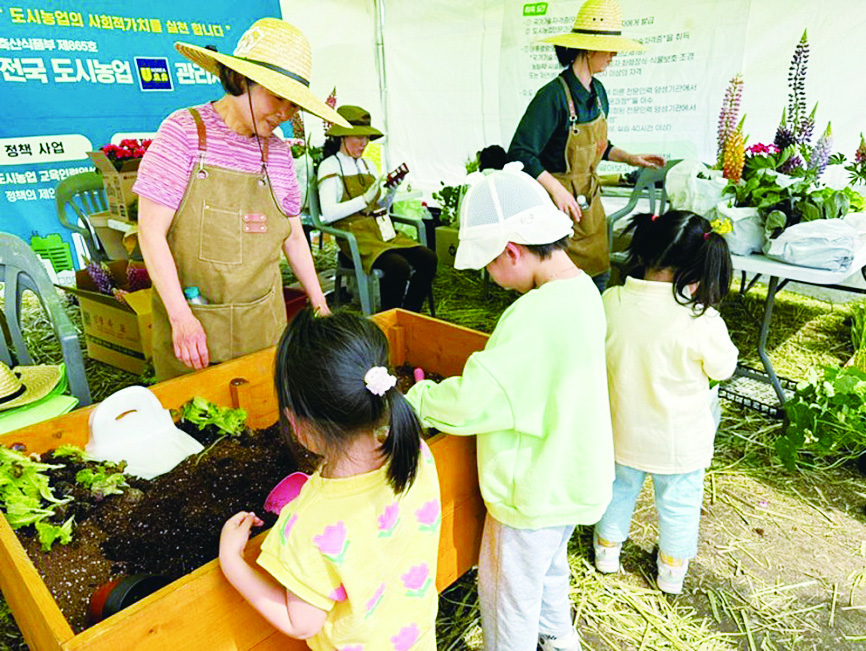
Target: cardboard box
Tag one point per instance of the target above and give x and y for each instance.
(446, 244)
(118, 184)
(116, 333)
(111, 239)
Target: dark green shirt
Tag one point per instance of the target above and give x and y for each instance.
(539, 141)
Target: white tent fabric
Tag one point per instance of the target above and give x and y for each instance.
(459, 72)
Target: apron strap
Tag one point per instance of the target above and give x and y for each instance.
(572, 114)
(265, 150)
(199, 126)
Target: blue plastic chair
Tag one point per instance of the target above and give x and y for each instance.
(21, 269)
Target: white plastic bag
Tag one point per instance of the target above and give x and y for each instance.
(747, 228)
(688, 192)
(821, 244)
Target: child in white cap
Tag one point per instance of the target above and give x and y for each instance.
(536, 397)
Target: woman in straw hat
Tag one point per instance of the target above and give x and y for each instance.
(562, 136)
(354, 199)
(215, 189)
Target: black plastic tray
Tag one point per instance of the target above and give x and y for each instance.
(752, 388)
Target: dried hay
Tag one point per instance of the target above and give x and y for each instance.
(782, 560)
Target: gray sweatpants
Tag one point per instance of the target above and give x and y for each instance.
(523, 585)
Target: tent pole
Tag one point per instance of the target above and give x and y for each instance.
(379, 6)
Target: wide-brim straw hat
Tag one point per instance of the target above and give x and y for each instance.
(26, 384)
(359, 119)
(598, 27)
(274, 54)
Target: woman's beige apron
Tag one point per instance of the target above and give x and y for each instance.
(363, 224)
(588, 247)
(226, 239)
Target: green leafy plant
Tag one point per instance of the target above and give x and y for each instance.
(449, 201)
(826, 417)
(203, 413)
(103, 480)
(27, 498)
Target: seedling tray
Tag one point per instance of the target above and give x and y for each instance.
(753, 389)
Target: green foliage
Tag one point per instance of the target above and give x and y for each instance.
(26, 496)
(49, 533)
(103, 480)
(201, 413)
(826, 417)
(71, 452)
(449, 200)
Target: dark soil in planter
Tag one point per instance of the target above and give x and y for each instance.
(168, 526)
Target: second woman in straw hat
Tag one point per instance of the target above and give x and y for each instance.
(562, 136)
(353, 199)
(218, 203)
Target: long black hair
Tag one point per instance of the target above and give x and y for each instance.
(686, 243)
(331, 146)
(320, 367)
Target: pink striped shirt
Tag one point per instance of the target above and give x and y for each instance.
(166, 167)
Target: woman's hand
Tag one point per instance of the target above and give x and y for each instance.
(646, 160)
(566, 202)
(235, 534)
(374, 190)
(563, 199)
(190, 342)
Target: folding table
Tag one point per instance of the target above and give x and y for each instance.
(779, 275)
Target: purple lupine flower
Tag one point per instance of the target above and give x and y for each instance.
(793, 163)
(730, 113)
(807, 127)
(784, 136)
(797, 85)
(821, 152)
(100, 276)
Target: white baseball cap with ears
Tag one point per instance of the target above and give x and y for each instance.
(505, 206)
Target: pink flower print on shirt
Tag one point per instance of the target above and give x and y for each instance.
(425, 453)
(287, 528)
(388, 520)
(429, 516)
(417, 580)
(374, 601)
(406, 638)
(339, 593)
(332, 542)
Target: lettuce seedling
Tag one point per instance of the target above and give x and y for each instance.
(102, 481)
(201, 413)
(26, 496)
(48, 533)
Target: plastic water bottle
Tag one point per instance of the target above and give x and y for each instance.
(582, 202)
(193, 295)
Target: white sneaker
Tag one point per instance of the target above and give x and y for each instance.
(671, 575)
(606, 558)
(570, 642)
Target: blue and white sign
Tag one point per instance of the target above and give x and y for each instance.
(74, 75)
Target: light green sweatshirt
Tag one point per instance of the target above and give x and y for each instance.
(536, 397)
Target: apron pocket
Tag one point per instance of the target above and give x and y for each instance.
(236, 329)
(220, 237)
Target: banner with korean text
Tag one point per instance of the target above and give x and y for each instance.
(75, 76)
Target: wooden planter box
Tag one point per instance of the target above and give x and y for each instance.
(201, 611)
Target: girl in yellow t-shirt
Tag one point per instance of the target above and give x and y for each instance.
(351, 562)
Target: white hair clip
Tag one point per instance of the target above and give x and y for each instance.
(378, 380)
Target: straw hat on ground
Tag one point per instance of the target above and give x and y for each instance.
(359, 119)
(598, 27)
(275, 55)
(26, 384)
